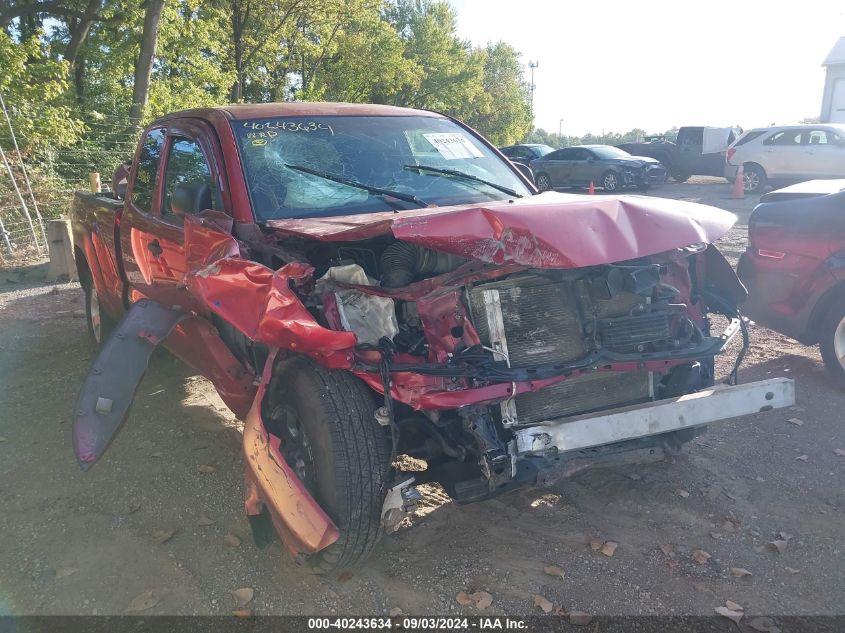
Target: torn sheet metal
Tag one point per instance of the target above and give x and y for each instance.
(299, 519)
(552, 230)
(110, 386)
(262, 304)
(208, 237)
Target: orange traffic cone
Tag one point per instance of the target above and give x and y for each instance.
(739, 183)
(592, 188)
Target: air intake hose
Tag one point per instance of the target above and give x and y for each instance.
(402, 263)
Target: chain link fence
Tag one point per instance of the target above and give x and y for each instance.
(38, 186)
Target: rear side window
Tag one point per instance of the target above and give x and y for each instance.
(145, 178)
(786, 137)
(749, 136)
(818, 137)
(691, 136)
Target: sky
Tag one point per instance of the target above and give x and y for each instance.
(615, 65)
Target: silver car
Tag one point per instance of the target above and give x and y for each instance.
(787, 153)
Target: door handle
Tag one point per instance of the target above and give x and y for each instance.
(155, 248)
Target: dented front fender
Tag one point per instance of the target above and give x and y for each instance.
(303, 525)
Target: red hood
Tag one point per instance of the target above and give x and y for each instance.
(551, 230)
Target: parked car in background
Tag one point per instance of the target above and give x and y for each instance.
(794, 267)
(605, 166)
(787, 153)
(698, 150)
(525, 153)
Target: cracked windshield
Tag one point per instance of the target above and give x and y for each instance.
(323, 166)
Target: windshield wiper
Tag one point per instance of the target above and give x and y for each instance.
(461, 174)
(407, 197)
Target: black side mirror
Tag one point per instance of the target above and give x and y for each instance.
(190, 197)
(525, 171)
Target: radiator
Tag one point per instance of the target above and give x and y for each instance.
(533, 320)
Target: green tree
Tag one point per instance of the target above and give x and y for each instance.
(452, 73)
(35, 89)
(503, 111)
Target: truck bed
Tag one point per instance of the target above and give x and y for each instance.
(93, 222)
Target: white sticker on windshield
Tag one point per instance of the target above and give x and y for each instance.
(453, 145)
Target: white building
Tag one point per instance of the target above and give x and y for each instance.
(833, 101)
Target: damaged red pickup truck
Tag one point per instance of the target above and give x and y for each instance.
(364, 282)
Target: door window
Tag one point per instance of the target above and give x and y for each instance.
(579, 154)
(785, 137)
(145, 177)
(188, 185)
(561, 154)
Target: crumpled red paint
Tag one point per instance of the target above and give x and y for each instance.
(261, 303)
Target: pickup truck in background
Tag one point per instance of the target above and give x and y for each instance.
(362, 282)
(697, 151)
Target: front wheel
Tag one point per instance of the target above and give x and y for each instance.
(611, 181)
(544, 183)
(679, 176)
(832, 340)
(330, 438)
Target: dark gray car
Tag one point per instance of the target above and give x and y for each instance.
(605, 166)
(525, 153)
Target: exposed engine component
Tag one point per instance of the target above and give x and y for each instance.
(402, 263)
(369, 316)
(532, 319)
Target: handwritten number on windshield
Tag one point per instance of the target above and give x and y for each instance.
(289, 126)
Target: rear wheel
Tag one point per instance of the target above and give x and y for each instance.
(330, 437)
(679, 176)
(99, 323)
(832, 340)
(754, 178)
(611, 181)
(544, 183)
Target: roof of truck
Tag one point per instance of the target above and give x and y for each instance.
(311, 108)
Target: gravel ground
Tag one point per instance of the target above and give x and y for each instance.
(90, 543)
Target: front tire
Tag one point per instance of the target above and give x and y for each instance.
(544, 183)
(611, 181)
(678, 176)
(832, 340)
(326, 420)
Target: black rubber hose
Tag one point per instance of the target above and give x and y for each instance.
(402, 262)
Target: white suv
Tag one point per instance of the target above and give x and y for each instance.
(787, 153)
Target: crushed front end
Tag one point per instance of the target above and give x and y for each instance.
(480, 354)
(504, 345)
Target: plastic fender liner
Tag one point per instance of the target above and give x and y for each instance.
(304, 526)
(721, 279)
(111, 383)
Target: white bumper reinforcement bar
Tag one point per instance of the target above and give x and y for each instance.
(653, 418)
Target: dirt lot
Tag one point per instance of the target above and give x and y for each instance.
(87, 543)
